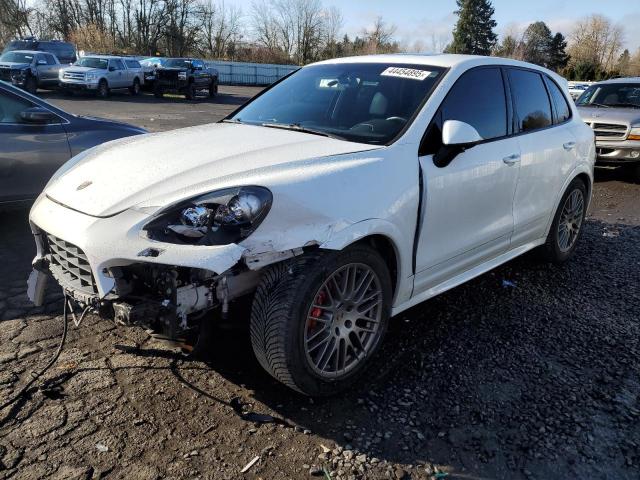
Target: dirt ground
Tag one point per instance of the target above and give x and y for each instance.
(530, 371)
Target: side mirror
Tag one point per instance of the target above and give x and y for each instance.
(38, 115)
(42, 62)
(457, 137)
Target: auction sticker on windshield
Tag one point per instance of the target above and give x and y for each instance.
(411, 73)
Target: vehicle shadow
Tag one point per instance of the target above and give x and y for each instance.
(609, 174)
(145, 97)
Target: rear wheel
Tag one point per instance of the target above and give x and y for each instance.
(567, 224)
(190, 92)
(103, 89)
(317, 320)
(135, 88)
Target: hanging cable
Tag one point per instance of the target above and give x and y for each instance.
(35, 375)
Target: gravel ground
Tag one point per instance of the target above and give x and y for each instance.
(538, 377)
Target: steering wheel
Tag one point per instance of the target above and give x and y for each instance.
(396, 119)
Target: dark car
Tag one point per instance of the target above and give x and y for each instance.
(36, 138)
(65, 51)
(185, 76)
(30, 69)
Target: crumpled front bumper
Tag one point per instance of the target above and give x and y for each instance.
(119, 241)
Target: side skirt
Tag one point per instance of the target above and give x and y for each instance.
(466, 276)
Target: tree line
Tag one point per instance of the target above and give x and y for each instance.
(304, 31)
(593, 50)
(274, 31)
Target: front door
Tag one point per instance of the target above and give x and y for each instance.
(29, 153)
(467, 206)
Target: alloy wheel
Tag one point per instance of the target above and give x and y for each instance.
(570, 220)
(343, 323)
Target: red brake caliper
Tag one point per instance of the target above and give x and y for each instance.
(317, 311)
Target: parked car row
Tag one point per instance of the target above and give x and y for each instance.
(31, 64)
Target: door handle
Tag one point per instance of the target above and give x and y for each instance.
(569, 145)
(511, 159)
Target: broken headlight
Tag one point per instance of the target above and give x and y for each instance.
(217, 218)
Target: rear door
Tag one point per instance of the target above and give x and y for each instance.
(547, 147)
(29, 153)
(49, 72)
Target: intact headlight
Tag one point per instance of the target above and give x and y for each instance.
(218, 218)
(91, 77)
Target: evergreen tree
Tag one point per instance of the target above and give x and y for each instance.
(509, 48)
(537, 41)
(558, 58)
(624, 63)
(473, 33)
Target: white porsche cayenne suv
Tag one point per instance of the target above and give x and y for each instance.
(342, 195)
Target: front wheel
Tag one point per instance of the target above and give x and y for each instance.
(567, 224)
(103, 89)
(190, 92)
(213, 89)
(135, 88)
(317, 320)
(31, 84)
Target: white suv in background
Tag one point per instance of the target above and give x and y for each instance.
(101, 74)
(335, 199)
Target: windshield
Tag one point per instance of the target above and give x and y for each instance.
(93, 62)
(178, 63)
(625, 95)
(359, 102)
(17, 57)
(20, 45)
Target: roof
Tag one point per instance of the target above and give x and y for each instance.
(444, 60)
(31, 52)
(106, 57)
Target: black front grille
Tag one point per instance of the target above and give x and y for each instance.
(5, 74)
(69, 265)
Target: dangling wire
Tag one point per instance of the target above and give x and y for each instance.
(35, 375)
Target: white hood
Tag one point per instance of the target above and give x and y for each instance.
(156, 169)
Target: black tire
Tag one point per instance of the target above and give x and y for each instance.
(213, 89)
(158, 91)
(31, 84)
(633, 171)
(190, 92)
(551, 251)
(279, 315)
(103, 89)
(135, 88)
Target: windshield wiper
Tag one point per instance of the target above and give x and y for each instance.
(595, 104)
(296, 127)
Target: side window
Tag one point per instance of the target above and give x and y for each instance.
(132, 64)
(50, 59)
(198, 64)
(563, 111)
(532, 105)
(117, 64)
(477, 98)
(11, 106)
(38, 58)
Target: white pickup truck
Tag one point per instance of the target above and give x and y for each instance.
(101, 74)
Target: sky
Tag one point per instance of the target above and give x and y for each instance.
(431, 21)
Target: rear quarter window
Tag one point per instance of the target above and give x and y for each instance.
(563, 111)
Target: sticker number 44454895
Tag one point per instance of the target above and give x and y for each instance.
(411, 73)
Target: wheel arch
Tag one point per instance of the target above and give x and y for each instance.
(584, 176)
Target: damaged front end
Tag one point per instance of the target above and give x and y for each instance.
(168, 299)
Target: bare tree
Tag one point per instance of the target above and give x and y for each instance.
(596, 40)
